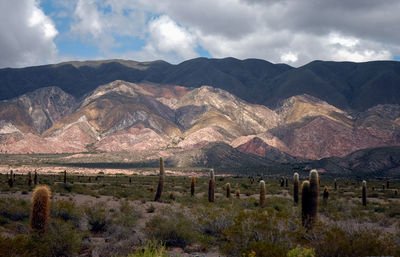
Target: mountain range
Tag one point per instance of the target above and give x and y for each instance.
(207, 112)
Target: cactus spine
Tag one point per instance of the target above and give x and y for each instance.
(35, 178)
(40, 208)
(228, 190)
(364, 193)
(262, 193)
(160, 186)
(296, 187)
(211, 185)
(192, 186)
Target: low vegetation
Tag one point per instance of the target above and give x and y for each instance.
(117, 216)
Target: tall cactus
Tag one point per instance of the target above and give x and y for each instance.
(65, 177)
(282, 181)
(228, 190)
(262, 193)
(364, 193)
(387, 184)
(211, 185)
(11, 179)
(35, 178)
(335, 186)
(296, 187)
(309, 201)
(40, 208)
(160, 186)
(192, 186)
(29, 179)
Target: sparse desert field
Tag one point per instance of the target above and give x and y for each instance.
(113, 213)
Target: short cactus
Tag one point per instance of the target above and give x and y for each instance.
(364, 193)
(237, 193)
(262, 193)
(296, 187)
(192, 186)
(40, 208)
(325, 194)
(211, 185)
(228, 190)
(160, 186)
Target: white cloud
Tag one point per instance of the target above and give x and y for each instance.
(289, 57)
(166, 37)
(27, 34)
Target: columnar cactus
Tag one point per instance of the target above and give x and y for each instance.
(310, 200)
(306, 204)
(29, 179)
(35, 178)
(286, 182)
(211, 185)
(296, 187)
(40, 208)
(325, 195)
(228, 190)
(192, 185)
(65, 177)
(335, 185)
(161, 179)
(364, 193)
(11, 179)
(262, 193)
(387, 184)
(282, 182)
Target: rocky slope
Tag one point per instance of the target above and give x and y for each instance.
(129, 117)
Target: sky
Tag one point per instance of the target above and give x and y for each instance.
(35, 32)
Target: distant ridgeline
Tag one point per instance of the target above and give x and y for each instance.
(347, 85)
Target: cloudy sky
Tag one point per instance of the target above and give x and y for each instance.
(291, 31)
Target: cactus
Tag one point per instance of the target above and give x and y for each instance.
(29, 179)
(35, 178)
(296, 187)
(387, 184)
(325, 194)
(11, 179)
(396, 192)
(228, 190)
(211, 185)
(192, 186)
(335, 186)
(160, 186)
(286, 183)
(237, 193)
(130, 180)
(172, 196)
(40, 208)
(262, 193)
(65, 177)
(364, 193)
(309, 201)
(383, 187)
(282, 182)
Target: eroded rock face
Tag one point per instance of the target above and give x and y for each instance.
(122, 116)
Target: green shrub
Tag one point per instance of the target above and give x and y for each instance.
(171, 228)
(257, 231)
(301, 252)
(98, 218)
(152, 249)
(67, 211)
(14, 209)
